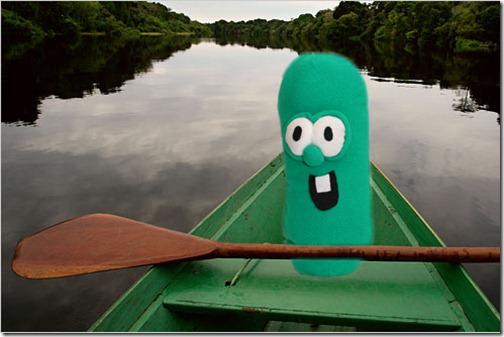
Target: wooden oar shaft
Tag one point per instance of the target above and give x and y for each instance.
(371, 253)
(100, 242)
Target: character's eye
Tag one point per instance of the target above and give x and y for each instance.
(299, 135)
(329, 135)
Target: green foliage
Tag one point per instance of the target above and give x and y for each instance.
(22, 21)
(18, 27)
(467, 45)
(347, 7)
(444, 25)
(19, 33)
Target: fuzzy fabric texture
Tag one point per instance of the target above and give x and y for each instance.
(323, 110)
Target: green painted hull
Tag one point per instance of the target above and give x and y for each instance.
(270, 296)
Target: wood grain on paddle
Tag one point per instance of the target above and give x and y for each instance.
(100, 242)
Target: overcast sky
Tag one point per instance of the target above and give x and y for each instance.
(207, 11)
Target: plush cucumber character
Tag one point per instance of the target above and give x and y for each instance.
(323, 111)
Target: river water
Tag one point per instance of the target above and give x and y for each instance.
(161, 131)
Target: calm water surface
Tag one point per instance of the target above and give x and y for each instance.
(164, 137)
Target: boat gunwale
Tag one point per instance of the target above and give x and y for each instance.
(108, 320)
(475, 306)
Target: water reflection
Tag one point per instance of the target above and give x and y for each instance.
(99, 65)
(466, 104)
(163, 136)
(165, 149)
(479, 74)
(90, 65)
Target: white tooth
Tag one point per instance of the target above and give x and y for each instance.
(323, 184)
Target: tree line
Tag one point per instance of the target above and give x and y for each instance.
(24, 21)
(454, 26)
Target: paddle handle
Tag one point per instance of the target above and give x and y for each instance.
(371, 253)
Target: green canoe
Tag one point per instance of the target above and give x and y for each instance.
(268, 295)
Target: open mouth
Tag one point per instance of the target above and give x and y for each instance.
(324, 190)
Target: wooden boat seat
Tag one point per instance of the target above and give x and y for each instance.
(271, 296)
(378, 296)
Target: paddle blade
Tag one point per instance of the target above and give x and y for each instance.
(100, 242)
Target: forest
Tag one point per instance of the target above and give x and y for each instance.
(445, 25)
(453, 26)
(34, 20)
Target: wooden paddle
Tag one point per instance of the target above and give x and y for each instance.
(100, 242)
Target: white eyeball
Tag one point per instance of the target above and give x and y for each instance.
(329, 135)
(299, 135)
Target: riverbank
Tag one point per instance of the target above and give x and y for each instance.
(27, 23)
(457, 27)
(141, 34)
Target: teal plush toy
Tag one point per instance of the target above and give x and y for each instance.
(323, 111)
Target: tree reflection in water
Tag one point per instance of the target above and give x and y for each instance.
(99, 64)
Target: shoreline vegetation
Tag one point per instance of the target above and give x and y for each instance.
(450, 43)
(141, 34)
(25, 24)
(458, 27)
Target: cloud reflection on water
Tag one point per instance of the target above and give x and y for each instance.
(175, 141)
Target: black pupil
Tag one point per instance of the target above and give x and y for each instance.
(297, 133)
(328, 134)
